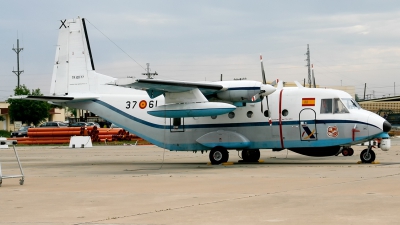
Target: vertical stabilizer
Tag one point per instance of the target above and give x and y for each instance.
(73, 61)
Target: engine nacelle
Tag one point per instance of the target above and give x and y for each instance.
(239, 91)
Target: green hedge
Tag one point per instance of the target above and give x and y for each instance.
(4, 133)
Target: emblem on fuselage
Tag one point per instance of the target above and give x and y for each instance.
(332, 131)
(307, 134)
(142, 104)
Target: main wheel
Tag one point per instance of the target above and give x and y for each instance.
(345, 152)
(250, 155)
(351, 151)
(367, 156)
(219, 155)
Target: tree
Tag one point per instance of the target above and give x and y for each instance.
(29, 112)
(357, 98)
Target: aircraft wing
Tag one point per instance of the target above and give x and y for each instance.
(56, 99)
(157, 87)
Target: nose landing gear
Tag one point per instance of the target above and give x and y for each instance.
(368, 155)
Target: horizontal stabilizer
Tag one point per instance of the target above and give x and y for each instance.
(58, 99)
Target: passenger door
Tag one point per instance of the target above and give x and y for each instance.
(307, 125)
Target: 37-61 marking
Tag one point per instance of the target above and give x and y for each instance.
(142, 104)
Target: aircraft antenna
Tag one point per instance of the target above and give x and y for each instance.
(115, 44)
(308, 65)
(17, 50)
(148, 74)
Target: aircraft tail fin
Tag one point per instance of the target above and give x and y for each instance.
(74, 67)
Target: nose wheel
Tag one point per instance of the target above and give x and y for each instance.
(367, 156)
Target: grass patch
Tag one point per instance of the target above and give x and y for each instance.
(4, 133)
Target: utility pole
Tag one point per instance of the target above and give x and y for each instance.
(308, 65)
(313, 77)
(148, 74)
(17, 50)
(365, 88)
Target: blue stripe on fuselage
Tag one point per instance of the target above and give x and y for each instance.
(212, 125)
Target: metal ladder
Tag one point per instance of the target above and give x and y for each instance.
(21, 181)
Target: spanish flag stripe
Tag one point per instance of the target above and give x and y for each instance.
(308, 102)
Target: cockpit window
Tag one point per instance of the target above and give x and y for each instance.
(332, 106)
(351, 103)
(338, 106)
(326, 105)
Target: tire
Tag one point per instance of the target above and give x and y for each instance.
(367, 158)
(218, 155)
(250, 155)
(345, 152)
(351, 151)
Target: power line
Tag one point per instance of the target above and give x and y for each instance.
(115, 44)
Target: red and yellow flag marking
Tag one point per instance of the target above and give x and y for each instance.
(308, 102)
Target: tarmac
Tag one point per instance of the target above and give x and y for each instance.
(150, 185)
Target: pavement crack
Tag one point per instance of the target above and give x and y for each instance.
(169, 209)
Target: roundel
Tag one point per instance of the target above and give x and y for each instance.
(142, 104)
(333, 131)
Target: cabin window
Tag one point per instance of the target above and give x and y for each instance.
(231, 115)
(285, 112)
(338, 106)
(326, 106)
(214, 117)
(333, 106)
(176, 122)
(266, 113)
(249, 114)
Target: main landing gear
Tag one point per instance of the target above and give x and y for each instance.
(347, 151)
(250, 155)
(219, 155)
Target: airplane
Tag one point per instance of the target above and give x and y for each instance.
(240, 115)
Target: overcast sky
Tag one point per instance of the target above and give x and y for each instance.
(351, 42)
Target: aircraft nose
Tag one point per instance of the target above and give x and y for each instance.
(386, 126)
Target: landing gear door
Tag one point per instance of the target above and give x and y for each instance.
(307, 126)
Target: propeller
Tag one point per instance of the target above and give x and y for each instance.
(263, 90)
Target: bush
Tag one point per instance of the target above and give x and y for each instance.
(4, 133)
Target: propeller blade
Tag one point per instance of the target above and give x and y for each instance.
(274, 82)
(269, 113)
(262, 107)
(255, 97)
(262, 70)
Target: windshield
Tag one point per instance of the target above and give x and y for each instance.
(23, 128)
(350, 103)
